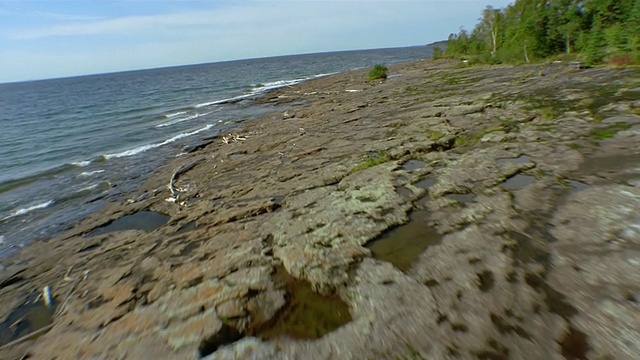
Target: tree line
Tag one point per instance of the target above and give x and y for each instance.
(593, 31)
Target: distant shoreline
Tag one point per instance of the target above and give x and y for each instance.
(71, 77)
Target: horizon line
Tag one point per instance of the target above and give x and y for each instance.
(212, 62)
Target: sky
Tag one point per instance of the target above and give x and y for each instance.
(52, 38)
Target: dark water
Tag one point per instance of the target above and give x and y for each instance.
(68, 145)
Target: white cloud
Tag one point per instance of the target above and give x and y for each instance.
(231, 31)
(250, 16)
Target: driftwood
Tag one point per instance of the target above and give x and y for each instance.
(233, 138)
(179, 171)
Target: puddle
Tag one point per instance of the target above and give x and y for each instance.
(425, 183)
(522, 159)
(485, 280)
(236, 156)
(25, 319)
(575, 345)
(278, 200)
(462, 198)
(142, 220)
(517, 182)
(285, 159)
(375, 154)
(413, 165)
(403, 245)
(525, 252)
(555, 301)
(307, 314)
(572, 186)
(404, 192)
(611, 167)
(609, 162)
(541, 228)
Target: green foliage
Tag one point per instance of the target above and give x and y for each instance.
(609, 132)
(549, 112)
(532, 30)
(435, 135)
(378, 72)
(437, 53)
(464, 140)
(378, 158)
(595, 51)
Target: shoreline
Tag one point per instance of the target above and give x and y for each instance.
(494, 165)
(167, 123)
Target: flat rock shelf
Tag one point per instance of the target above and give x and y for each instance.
(487, 212)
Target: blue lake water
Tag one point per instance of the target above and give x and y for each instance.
(68, 145)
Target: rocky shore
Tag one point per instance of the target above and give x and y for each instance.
(447, 212)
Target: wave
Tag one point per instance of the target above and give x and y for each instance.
(27, 210)
(276, 84)
(182, 119)
(282, 83)
(81, 163)
(90, 173)
(258, 89)
(178, 120)
(143, 148)
(82, 192)
(174, 114)
(230, 100)
(18, 182)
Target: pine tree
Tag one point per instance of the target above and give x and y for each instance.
(536, 29)
(633, 31)
(595, 51)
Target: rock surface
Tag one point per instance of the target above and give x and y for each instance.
(532, 182)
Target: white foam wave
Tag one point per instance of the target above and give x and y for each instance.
(88, 188)
(90, 173)
(27, 210)
(260, 88)
(223, 101)
(324, 74)
(201, 105)
(170, 115)
(282, 83)
(81, 163)
(276, 84)
(182, 119)
(147, 147)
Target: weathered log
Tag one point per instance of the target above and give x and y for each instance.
(179, 171)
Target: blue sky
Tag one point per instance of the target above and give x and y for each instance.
(52, 38)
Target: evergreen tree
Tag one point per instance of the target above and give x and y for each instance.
(595, 51)
(633, 31)
(536, 29)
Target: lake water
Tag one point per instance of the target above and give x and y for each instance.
(69, 145)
